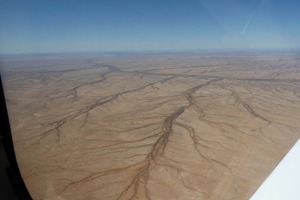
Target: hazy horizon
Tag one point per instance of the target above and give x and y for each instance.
(166, 51)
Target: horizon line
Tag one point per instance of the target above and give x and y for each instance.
(153, 51)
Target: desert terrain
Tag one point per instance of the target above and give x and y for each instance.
(183, 126)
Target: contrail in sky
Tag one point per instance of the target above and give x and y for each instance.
(248, 22)
(251, 17)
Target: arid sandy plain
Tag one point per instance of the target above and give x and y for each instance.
(151, 126)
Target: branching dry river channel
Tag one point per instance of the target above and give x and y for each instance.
(151, 126)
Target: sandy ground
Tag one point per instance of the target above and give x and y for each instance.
(151, 126)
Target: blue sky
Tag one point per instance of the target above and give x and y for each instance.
(41, 26)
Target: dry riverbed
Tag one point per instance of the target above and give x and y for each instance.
(151, 126)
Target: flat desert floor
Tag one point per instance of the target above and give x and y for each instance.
(151, 126)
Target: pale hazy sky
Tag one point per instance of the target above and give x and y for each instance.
(35, 26)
